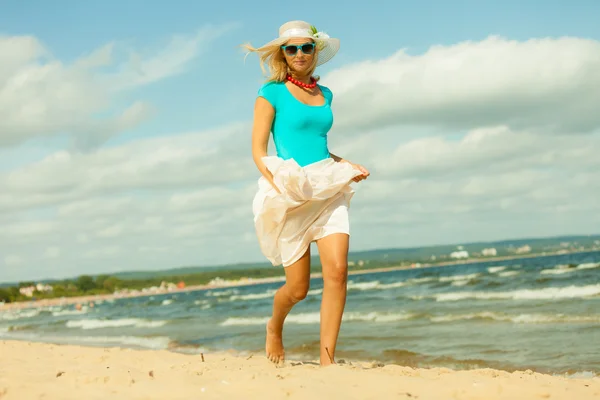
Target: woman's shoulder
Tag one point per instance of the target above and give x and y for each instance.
(327, 93)
(270, 91)
(271, 86)
(325, 89)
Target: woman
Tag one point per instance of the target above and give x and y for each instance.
(304, 192)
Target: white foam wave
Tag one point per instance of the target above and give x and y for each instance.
(70, 312)
(370, 285)
(588, 266)
(580, 375)
(564, 269)
(113, 323)
(166, 302)
(508, 273)
(460, 283)
(519, 319)
(421, 280)
(19, 314)
(374, 285)
(222, 293)
(245, 321)
(253, 296)
(378, 317)
(550, 293)
(493, 270)
(314, 318)
(453, 278)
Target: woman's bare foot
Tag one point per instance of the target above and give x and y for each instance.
(274, 345)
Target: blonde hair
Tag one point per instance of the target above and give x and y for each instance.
(272, 56)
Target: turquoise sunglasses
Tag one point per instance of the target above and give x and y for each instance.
(292, 49)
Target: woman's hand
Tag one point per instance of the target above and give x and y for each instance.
(365, 173)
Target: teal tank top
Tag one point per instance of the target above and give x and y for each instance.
(299, 130)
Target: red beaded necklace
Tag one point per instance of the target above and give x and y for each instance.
(312, 84)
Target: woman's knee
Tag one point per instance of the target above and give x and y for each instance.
(336, 273)
(298, 290)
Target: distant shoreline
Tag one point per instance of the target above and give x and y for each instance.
(83, 300)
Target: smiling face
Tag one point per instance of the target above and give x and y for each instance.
(300, 60)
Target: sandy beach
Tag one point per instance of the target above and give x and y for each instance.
(45, 371)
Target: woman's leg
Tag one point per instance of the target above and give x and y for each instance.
(333, 250)
(297, 280)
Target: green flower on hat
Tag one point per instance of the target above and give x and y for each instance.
(318, 35)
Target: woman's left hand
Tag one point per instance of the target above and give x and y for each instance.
(364, 175)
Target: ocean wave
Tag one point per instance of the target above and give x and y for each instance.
(460, 283)
(565, 269)
(19, 314)
(222, 293)
(370, 285)
(550, 293)
(113, 323)
(579, 375)
(61, 313)
(253, 296)
(154, 343)
(518, 319)
(493, 270)
(374, 285)
(315, 318)
(588, 266)
(453, 278)
(558, 270)
(508, 273)
(421, 280)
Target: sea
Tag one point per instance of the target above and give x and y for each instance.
(538, 313)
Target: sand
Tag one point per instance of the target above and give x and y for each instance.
(46, 371)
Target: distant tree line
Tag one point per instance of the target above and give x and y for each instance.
(106, 284)
(83, 285)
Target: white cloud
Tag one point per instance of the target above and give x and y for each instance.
(164, 163)
(42, 96)
(544, 84)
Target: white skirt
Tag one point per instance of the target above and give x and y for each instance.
(313, 203)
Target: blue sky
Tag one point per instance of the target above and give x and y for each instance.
(76, 27)
(200, 107)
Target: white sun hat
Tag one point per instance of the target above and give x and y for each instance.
(328, 47)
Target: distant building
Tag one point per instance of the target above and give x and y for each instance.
(40, 287)
(28, 291)
(491, 252)
(459, 254)
(523, 249)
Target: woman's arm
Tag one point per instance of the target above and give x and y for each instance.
(336, 158)
(261, 130)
